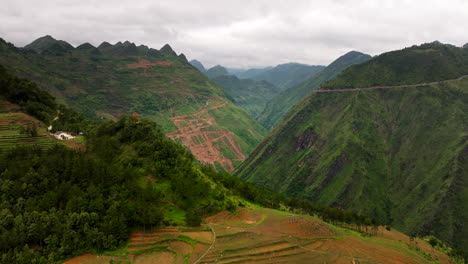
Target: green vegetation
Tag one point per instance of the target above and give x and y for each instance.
(418, 64)
(216, 71)
(249, 94)
(110, 80)
(60, 202)
(397, 155)
(279, 105)
(287, 75)
(25, 93)
(20, 129)
(49, 45)
(63, 202)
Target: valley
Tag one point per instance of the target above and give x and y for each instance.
(122, 153)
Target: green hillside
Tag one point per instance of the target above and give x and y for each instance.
(418, 64)
(287, 75)
(279, 105)
(216, 71)
(248, 73)
(111, 80)
(49, 45)
(398, 155)
(251, 95)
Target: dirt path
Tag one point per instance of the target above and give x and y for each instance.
(206, 144)
(211, 246)
(193, 130)
(320, 90)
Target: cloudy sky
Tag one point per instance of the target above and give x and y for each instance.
(242, 33)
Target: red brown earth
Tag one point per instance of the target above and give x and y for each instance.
(191, 131)
(196, 130)
(259, 235)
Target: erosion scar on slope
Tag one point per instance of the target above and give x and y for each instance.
(206, 144)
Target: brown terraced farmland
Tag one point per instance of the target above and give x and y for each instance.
(258, 235)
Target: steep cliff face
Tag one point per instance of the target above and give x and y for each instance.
(397, 154)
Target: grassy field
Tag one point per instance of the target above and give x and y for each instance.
(258, 235)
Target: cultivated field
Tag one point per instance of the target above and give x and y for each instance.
(259, 235)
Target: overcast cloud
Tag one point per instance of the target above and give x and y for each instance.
(242, 33)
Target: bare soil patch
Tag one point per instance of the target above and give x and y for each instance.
(192, 131)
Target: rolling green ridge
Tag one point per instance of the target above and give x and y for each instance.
(418, 64)
(110, 80)
(249, 94)
(216, 71)
(398, 155)
(248, 73)
(286, 75)
(279, 105)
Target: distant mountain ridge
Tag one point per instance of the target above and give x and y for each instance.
(286, 75)
(198, 65)
(249, 73)
(277, 108)
(48, 44)
(252, 95)
(216, 71)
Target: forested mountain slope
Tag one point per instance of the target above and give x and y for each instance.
(216, 71)
(279, 105)
(286, 75)
(418, 64)
(104, 82)
(252, 95)
(398, 155)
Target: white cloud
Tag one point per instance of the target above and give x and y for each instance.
(242, 33)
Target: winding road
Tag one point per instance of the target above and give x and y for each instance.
(320, 90)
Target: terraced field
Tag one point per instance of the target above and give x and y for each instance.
(259, 235)
(13, 121)
(167, 245)
(10, 131)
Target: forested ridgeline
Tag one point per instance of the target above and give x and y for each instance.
(430, 62)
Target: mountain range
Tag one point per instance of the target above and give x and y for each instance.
(110, 80)
(387, 138)
(278, 106)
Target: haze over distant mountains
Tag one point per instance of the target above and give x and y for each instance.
(278, 106)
